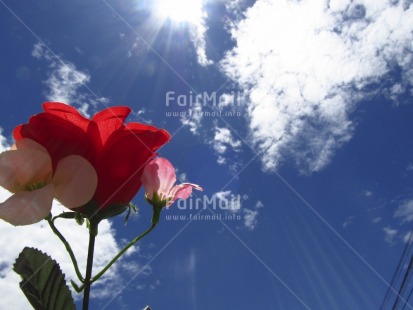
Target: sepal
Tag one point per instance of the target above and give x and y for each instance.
(93, 212)
(131, 207)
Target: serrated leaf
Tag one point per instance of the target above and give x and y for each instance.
(43, 282)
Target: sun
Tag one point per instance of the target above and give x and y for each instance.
(180, 11)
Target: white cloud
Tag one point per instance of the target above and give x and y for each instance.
(198, 32)
(193, 119)
(223, 139)
(182, 177)
(405, 211)
(3, 142)
(259, 205)
(251, 216)
(226, 146)
(197, 29)
(226, 200)
(226, 100)
(407, 237)
(65, 80)
(390, 234)
(376, 220)
(306, 64)
(221, 160)
(349, 221)
(139, 116)
(250, 219)
(155, 284)
(368, 193)
(236, 10)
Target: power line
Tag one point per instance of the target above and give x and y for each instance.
(407, 252)
(407, 276)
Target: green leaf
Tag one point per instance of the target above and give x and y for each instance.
(43, 282)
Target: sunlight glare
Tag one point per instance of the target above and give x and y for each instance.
(182, 11)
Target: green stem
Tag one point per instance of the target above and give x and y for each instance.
(87, 283)
(155, 219)
(67, 246)
(101, 273)
(97, 276)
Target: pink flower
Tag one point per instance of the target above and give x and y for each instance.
(26, 170)
(159, 178)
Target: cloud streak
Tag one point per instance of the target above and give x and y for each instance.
(64, 81)
(251, 216)
(405, 211)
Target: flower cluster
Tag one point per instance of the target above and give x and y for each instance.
(94, 166)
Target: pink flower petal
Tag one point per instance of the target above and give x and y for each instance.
(182, 191)
(166, 173)
(27, 208)
(195, 186)
(150, 179)
(75, 181)
(158, 176)
(25, 166)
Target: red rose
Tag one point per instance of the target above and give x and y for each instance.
(118, 152)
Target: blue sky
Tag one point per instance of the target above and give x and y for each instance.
(301, 138)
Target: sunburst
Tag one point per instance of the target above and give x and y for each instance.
(180, 11)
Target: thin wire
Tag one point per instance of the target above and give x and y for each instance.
(397, 272)
(407, 275)
(407, 299)
(402, 287)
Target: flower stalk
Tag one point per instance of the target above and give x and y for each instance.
(93, 229)
(155, 220)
